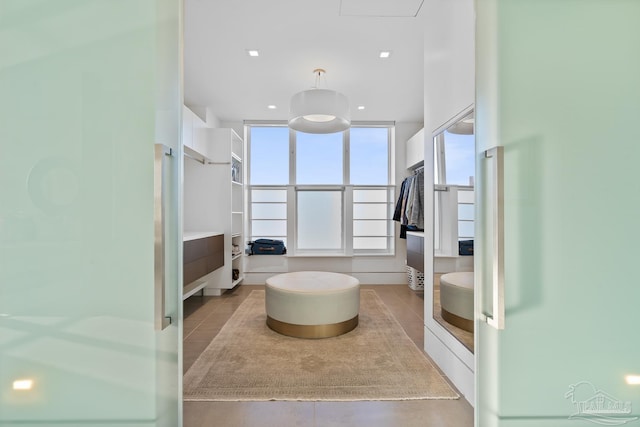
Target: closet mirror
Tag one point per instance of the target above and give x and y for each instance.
(454, 174)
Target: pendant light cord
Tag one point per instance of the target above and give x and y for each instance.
(319, 72)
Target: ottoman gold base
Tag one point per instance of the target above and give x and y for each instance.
(312, 331)
(458, 321)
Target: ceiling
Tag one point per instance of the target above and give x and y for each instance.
(294, 37)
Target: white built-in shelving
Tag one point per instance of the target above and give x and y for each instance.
(214, 197)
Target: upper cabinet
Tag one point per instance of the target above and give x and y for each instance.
(415, 150)
(191, 125)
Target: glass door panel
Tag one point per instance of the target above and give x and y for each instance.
(86, 90)
(567, 86)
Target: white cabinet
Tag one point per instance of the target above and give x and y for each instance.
(192, 137)
(415, 150)
(214, 199)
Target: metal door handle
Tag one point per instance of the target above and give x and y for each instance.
(496, 318)
(161, 321)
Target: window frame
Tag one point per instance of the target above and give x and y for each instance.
(346, 188)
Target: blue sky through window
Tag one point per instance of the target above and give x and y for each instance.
(319, 158)
(459, 157)
(269, 163)
(369, 156)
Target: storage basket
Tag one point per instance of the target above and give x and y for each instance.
(416, 279)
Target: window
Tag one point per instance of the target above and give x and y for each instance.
(319, 159)
(269, 213)
(319, 214)
(372, 210)
(454, 170)
(369, 156)
(322, 193)
(269, 156)
(454, 155)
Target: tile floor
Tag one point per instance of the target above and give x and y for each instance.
(205, 316)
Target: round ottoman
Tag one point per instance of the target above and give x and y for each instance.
(456, 299)
(312, 304)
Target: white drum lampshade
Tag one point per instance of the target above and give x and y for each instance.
(319, 111)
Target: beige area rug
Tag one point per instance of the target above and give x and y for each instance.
(247, 361)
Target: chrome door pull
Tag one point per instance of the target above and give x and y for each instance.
(161, 321)
(496, 318)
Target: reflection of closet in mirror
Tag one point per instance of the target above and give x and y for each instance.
(454, 172)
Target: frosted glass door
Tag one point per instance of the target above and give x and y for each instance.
(87, 88)
(558, 88)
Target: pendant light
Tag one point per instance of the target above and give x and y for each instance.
(319, 110)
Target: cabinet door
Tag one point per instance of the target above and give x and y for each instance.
(415, 150)
(415, 252)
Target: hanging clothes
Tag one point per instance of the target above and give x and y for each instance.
(409, 210)
(416, 218)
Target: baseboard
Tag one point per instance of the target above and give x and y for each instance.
(457, 371)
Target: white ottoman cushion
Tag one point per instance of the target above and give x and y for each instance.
(318, 299)
(456, 299)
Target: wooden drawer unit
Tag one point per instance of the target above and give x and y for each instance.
(415, 251)
(201, 257)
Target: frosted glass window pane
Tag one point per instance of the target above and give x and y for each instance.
(466, 229)
(369, 196)
(319, 158)
(268, 211)
(269, 228)
(369, 228)
(369, 152)
(269, 196)
(465, 212)
(269, 162)
(361, 243)
(370, 211)
(466, 196)
(319, 219)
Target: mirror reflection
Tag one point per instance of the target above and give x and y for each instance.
(454, 174)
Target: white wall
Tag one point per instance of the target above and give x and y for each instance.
(449, 71)
(449, 60)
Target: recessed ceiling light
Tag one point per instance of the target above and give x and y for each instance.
(360, 107)
(271, 107)
(385, 54)
(253, 52)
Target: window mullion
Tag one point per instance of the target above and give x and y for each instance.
(292, 219)
(348, 220)
(292, 157)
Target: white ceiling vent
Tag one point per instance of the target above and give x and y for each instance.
(381, 8)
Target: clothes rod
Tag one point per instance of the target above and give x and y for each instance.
(194, 158)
